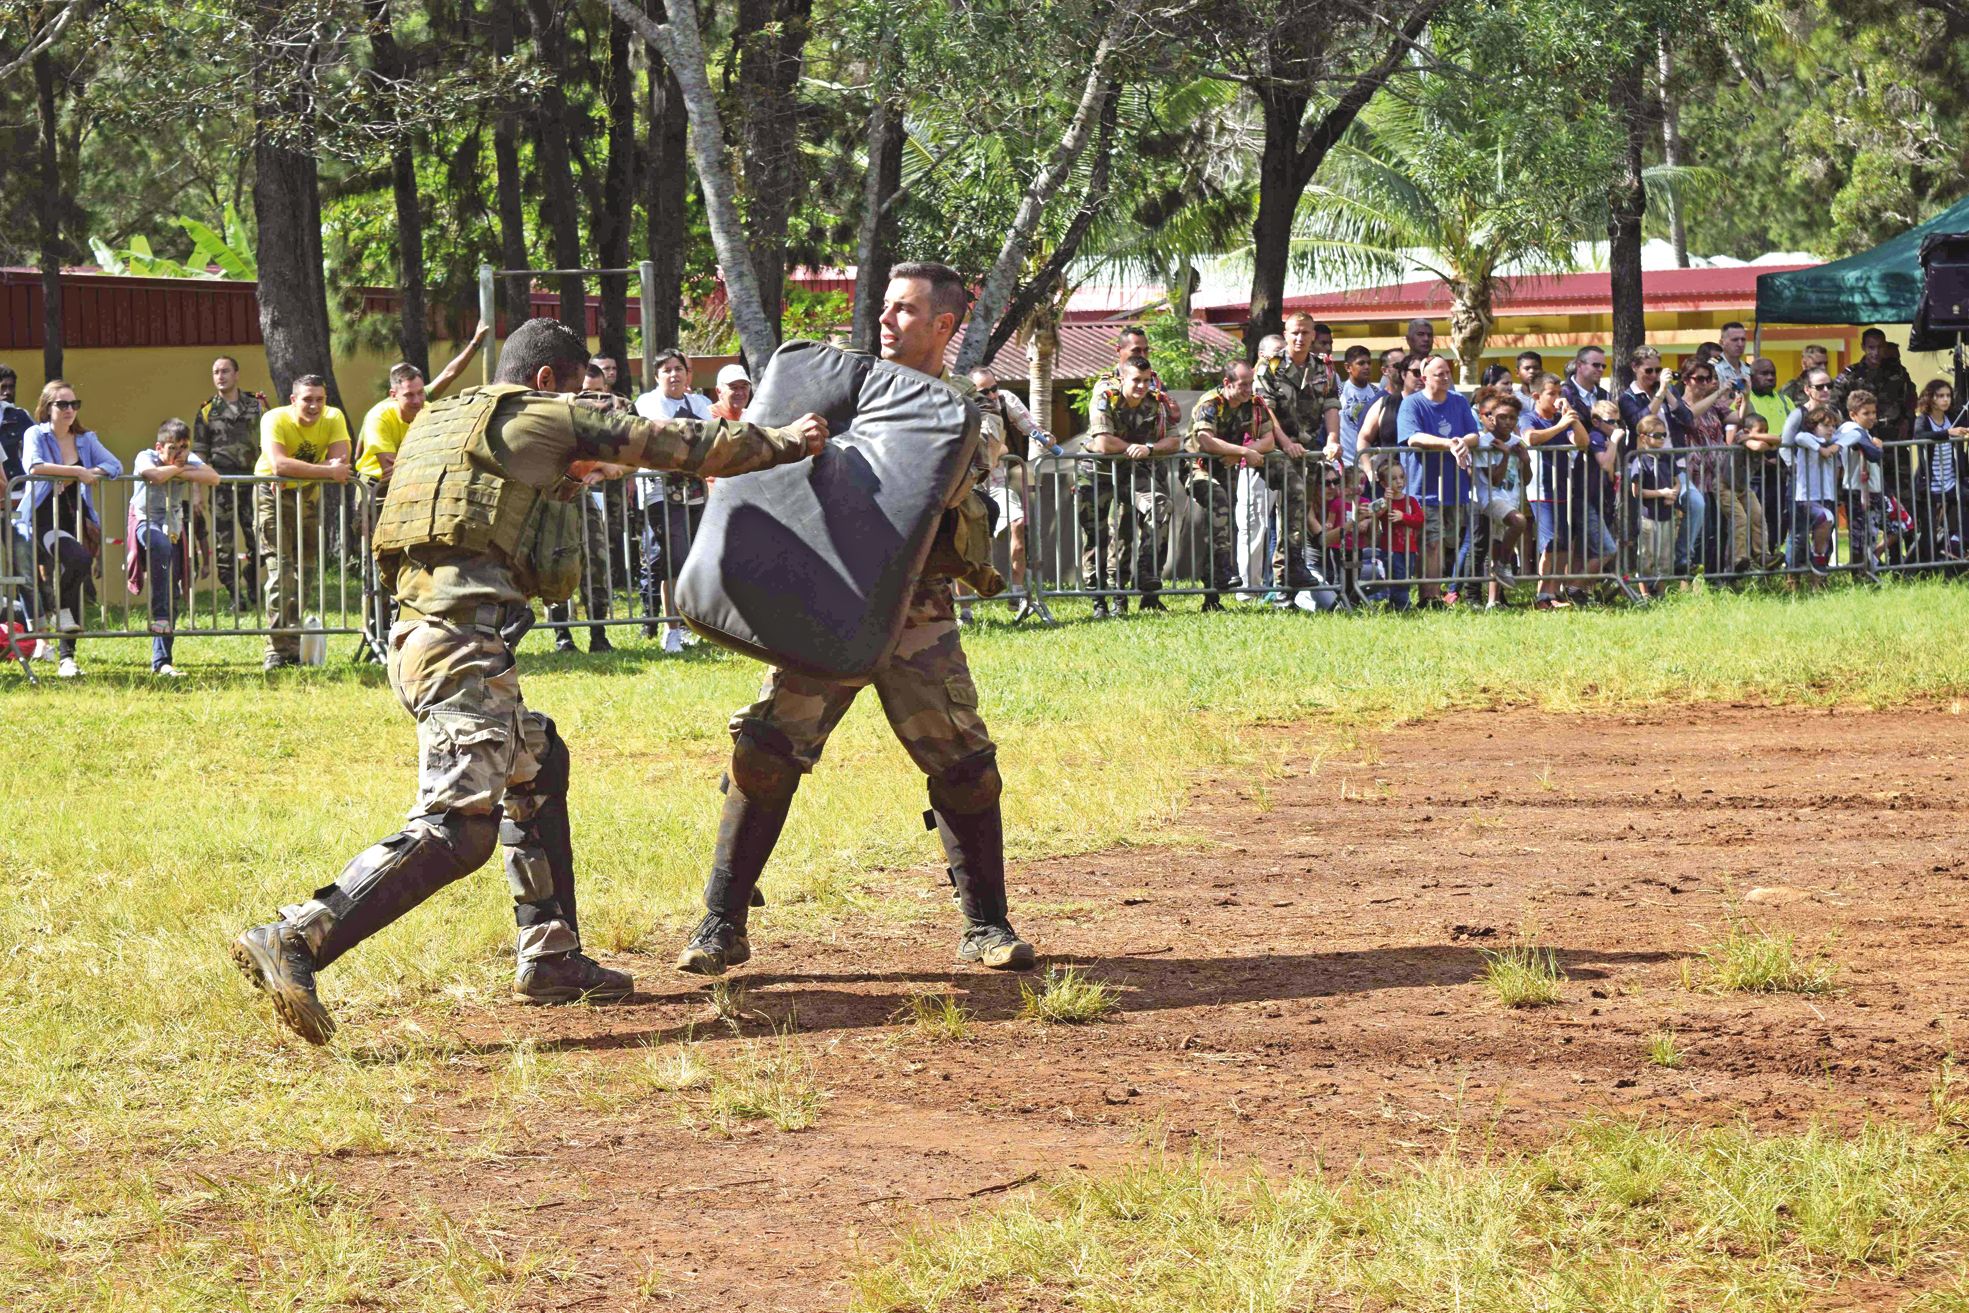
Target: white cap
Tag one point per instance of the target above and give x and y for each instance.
(733, 374)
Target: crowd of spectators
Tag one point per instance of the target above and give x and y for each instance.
(1585, 487)
(1325, 476)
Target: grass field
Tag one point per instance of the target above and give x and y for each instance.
(140, 1084)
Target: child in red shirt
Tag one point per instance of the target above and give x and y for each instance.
(1391, 527)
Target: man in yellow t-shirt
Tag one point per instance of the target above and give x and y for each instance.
(303, 444)
(389, 419)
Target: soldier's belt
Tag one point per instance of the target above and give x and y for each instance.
(489, 617)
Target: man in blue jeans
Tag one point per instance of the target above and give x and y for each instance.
(158, 518)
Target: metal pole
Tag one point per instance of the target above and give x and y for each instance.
(488, 314)
(646, 287)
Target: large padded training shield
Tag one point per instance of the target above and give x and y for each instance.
(810, 566)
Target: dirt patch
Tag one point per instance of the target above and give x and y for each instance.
(1301, 988)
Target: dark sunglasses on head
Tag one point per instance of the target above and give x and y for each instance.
(1702, 378)
(68, 405)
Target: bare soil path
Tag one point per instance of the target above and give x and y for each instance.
(1300, 987)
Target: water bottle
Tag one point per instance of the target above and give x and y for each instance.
(314, 643)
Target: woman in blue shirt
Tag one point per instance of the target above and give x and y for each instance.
(64, 463)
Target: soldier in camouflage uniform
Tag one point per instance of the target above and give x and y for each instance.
(1305, 397)
(480, 517)
(926, 693)
(1127, 494)
(1229, 429)
(225, 434)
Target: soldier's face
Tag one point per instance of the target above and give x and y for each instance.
(1131, 344)
(224, 375)
(1873, 349)
(1237, 385)
(912, 332)
(1298, 341)
(1135, 385)
(310, 401)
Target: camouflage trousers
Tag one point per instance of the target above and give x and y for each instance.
(288, 521)
(1210, 488)
(479, 753)
(233, 533)
(1124, 518)
(925, 689)
(595, 576)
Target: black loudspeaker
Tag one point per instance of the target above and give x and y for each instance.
(1945, 285)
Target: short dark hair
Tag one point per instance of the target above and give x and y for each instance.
(1586, 351)
(1132, 330)
(230, 360)
(540, 344)
(7, 372)
(1356, 352)
(1818, 415)
(176, 430)
(308, 381)
(1495, 373)
(1506, 399)
(1319, 328)
(1727, 327)
(1137, 363)
(403, 371)
(948, 295)
(1532, 356)
(1872, 333)
(668, 353)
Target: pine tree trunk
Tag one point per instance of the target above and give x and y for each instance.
(876, 241)
(50, 212)
(516, 289)
(1627, 202)
(617, 208)
(771, 39)
(666, 182)
(550, 144)
(287, 207)
(413, 333)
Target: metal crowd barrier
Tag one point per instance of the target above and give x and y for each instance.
(1101, 529)
(235, 543)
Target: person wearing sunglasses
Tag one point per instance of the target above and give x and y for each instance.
(64, 463)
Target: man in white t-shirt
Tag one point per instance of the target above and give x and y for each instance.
(673, 505)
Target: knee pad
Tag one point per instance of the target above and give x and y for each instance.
(761, 769)
(470, 837)
(969, 787)
(555, 764)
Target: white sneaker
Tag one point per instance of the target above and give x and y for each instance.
(1304, 601)
(68, 669)
(65, 622)
(691, 638)
(673, 640)
(168, 671)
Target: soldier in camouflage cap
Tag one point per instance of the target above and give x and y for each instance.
(226, 435)
(481, 518)
(926, 693)
(1229, 429)
(1127, 494)
(1305, 397)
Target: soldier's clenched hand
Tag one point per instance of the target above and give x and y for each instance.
(811, 429)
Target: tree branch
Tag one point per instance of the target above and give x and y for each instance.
(682, 48)
(1319, 138)
(1039, 289)
(1011, 256)
(46, 38)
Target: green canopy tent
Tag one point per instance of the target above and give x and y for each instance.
(1880, 286)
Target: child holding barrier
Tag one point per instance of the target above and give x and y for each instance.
(1942, 464)
(1392, 524)
(160, 546)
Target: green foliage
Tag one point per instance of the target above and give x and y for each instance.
(1523, 976)
(213, 254)
(1068, 998)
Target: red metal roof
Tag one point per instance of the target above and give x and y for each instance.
(118, 310)
(1086, 350)
(1730, 288)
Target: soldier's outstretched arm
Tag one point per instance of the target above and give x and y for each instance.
(715, 448)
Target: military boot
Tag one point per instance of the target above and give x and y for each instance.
(276, 959)
(716, 944)
(995, 944)
(570, 978)
(1151, 602)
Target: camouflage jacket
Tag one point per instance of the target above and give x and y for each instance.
(226, 434)
(1300, 395)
